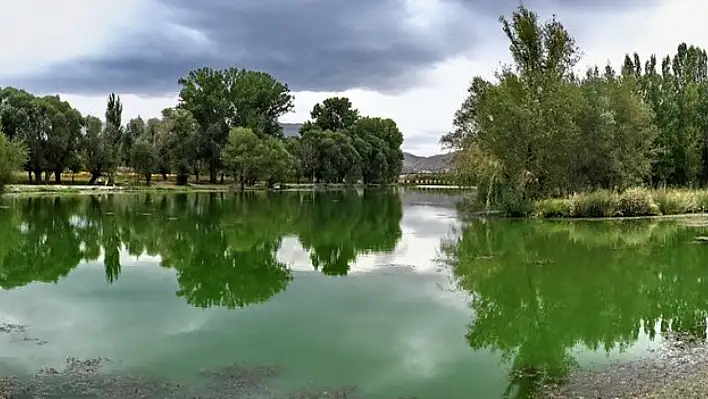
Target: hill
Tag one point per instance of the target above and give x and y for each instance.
(291, 129)
(411, 163)
(433, 164)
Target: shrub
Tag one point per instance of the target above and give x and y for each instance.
(554, 208)
(601, 203)
(515, 205)
(676, 202)
(638, 202)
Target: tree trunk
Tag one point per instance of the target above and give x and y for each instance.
(46, 176)
(57, 176)
(164, 176)
(182, 179)
(73, 175)
(222, 178)
(94, 176)
(148, 178)
(213, 173)
(196, 174)
(29, 173)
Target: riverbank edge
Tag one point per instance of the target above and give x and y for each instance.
(22, 190)
(634, 203)
(500, 215)
(676, 370)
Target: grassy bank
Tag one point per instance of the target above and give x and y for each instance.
(635, 202)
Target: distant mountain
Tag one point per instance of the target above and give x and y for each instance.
(291, 129)
(411, 163)
(433, 164)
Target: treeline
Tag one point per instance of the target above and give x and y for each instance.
(541, 130)
(225, 123)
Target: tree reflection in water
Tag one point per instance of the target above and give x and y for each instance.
(538, 289)
(222, 246)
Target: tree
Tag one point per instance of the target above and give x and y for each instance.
(60, 128)
(335, 114)
(537, 130)
(277, 163)
(181, 140)
(114, 112)
(13, 154)
(144, 159)
(204, 93)
(378, 141)
(97, 148)
(258, 100)
(134, 131)
(113, 132)
(335, 159)
(241, 155)
(223, 99)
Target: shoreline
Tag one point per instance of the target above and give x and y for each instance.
(23, 190)
(679, 369)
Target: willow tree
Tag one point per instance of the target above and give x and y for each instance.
(526, 134)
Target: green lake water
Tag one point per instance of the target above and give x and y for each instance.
(391, 292)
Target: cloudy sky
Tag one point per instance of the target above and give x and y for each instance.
(410, 60)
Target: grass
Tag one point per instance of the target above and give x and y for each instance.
(634, 202)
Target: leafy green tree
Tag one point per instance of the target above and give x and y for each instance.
(277, 163)
(378, 141)
(335, 159)
(242, 155)
(20, 118)
(97, 148)
(335, 114)
(538, 130)
(134, 131)
(224, 99)
(258, 100)
(180, 141)
(60, 126)
(13, 155)
(205, 93)
(144, 159)
(114, 114)
(112, 136)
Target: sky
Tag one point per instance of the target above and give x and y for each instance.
(409, 60)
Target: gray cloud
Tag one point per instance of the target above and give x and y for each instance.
(317, 45)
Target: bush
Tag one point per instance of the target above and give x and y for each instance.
(554, 208)
(638, 202)
(597, 204)
(676, 202)
(515, 205)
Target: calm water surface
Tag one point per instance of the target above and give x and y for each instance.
(390, 292)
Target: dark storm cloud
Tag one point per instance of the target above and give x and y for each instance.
(497, 8)
(316, 45)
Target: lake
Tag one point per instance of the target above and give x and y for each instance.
(314, 294)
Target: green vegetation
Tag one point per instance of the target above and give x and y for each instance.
(13, 155)
(605, 203)
(541, 291)
(540, 130)
(225, 124)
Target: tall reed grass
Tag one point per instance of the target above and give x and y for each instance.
(632, 202)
